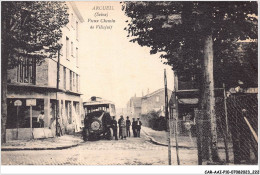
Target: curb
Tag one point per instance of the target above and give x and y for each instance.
(38, 149)
(162, 144)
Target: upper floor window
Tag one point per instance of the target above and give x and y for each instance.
(72, 20)
(71, 49)
(77, 57)
(77, 83)
(157, 98)
(67, 48)
(71, 80)
(77, 30)
(64, 77)
(26, 70)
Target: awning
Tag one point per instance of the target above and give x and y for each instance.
(188, 101)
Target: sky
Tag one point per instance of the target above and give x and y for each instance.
(112, 67)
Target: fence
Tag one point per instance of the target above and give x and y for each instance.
(237, 128)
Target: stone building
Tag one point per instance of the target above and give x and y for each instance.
(154, 101)
(31, 80)
(134, 107)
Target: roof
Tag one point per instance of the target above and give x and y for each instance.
(136, 101)
(96, 101)
(76, 10)
(156, 92)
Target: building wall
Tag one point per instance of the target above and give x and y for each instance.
(42, 73)
(137, 112)
(48, 67)
(46, 79)
(70, 32)
(154, 102)
(132, 110)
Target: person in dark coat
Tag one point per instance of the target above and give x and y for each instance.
(128, 124)
(120, 128)
(134, 127)
(138, 127)
(114, 127)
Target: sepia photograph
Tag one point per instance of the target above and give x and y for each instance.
(130, 83)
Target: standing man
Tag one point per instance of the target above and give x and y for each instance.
(120, 127)
(114, 127)
(128, 124)
(138, 126)
(40, 119)
(134, 127)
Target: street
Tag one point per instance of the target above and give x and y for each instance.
(133, 151)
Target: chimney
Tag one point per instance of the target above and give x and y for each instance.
(148, 91)
(135, 94)
(142, 93)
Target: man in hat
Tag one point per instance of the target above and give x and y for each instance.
(128, 124)
(134, 127)
(120, 127)
(138, 127)
(114, 127)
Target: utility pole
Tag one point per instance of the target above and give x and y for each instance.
(57, 101)
(167, 117)
(226, 121)
(175, 114)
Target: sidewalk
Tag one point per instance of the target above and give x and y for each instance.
(161, 138)
(63, 142)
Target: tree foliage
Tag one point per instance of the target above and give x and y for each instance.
(177, 30)
(32, 28)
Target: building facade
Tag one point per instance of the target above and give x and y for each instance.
(154, 101)
(134, 107)
(38, 82)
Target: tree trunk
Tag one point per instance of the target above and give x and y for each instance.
(4, 65)
(4, 99)
(208, 102)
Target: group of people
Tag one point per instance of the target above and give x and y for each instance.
(124, 127)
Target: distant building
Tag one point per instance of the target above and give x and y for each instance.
(154, 101)
(121, 111)
(39, 82)
(134, 107)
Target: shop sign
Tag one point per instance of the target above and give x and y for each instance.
(18, 103)
(31, 102)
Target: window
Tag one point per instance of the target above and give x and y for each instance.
(64, 77)
(72, 20)
(77, 30)
(67, 48)
(68, 110)
(77, 57)
(76, 107)
(157, 99)
(26, 70)
(61, 109)
(71, 80)
(71, 48)
(77, 83)
(24, 114)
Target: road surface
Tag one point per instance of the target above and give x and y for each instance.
(133, 151)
